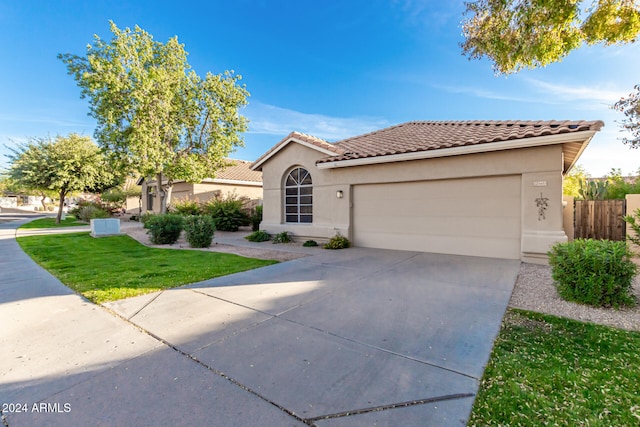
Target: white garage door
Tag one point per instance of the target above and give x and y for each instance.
(476, 216)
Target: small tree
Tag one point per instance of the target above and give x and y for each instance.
(155, 115)
(67, 164)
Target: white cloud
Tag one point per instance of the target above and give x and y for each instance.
(484, 93)
(272, 120)
(578, 93)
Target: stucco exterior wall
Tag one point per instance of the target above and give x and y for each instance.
(567, 216)
(539, 168)
(202, 192)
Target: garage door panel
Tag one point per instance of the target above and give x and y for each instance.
(479, 216)
(444, 226)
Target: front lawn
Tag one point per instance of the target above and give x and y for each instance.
(69, 221)
(116, 267)
(546, 370)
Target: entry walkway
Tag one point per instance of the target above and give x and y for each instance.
(343, 338)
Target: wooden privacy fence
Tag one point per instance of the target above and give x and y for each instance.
(599, 219)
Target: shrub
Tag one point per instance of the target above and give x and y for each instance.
(227, 213)
(256, 218)
(284, 237)
(338, 242)
(88, 212)
(258, 236)
(199, 230)
(310, 243)
(96, 209)
(593, 272)
(164, 229)
(145, 216)
(185, 207)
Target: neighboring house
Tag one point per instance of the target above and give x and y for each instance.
(489, 189)
(238, 178)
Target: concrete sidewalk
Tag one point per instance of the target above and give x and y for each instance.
(68, 362)
(342, 338)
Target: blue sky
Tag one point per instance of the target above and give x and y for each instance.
(329, 68)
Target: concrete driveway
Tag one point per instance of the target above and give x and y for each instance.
(356, 337)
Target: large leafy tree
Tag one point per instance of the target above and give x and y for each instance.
(155, 115)
(517, 34)
(64, 165)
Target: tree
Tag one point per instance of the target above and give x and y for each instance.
(155, 115)
(630, 107)
(517, 34)
(72, 163)
(571, 182)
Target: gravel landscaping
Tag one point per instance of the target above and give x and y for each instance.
(535, 291)
(136, 231)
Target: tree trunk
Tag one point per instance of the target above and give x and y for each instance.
(164, 192)
(63, 194)
(44, 205)
(161, 195)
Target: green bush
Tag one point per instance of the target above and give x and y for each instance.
(228, 214)
(310, 243)
(164, 229)
(593, 272)
(185, 207)
(284, 237)
(338, 242)
(258, 236)
(145, 216)
(256, 218)
(199, 230)
(89, 212)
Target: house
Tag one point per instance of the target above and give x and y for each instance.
(237, 178)
(490, 189)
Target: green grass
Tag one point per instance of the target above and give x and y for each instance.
(116, 267)
(546, 370)
(69, 221)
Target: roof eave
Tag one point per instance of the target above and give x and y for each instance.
(584, 136)
(232, 181)
(257, 165)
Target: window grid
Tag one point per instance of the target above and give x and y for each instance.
(298, 205)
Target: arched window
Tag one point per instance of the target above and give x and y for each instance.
(298, 197)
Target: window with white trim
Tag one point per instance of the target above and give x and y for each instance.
(298, 197)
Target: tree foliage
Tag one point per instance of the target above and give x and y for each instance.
(67, 164)
(630, 107)
(154, 114)
(571, 182)
(517, 34)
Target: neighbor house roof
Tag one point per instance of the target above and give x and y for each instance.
(239, 170)
(421, 139)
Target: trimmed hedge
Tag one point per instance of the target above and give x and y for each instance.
(199, 230)
(164, 229)
(593, 272)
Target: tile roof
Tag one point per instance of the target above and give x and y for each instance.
(239, 170)
(309, 139)
(431, 135)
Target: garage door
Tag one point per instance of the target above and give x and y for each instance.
(477, 216)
